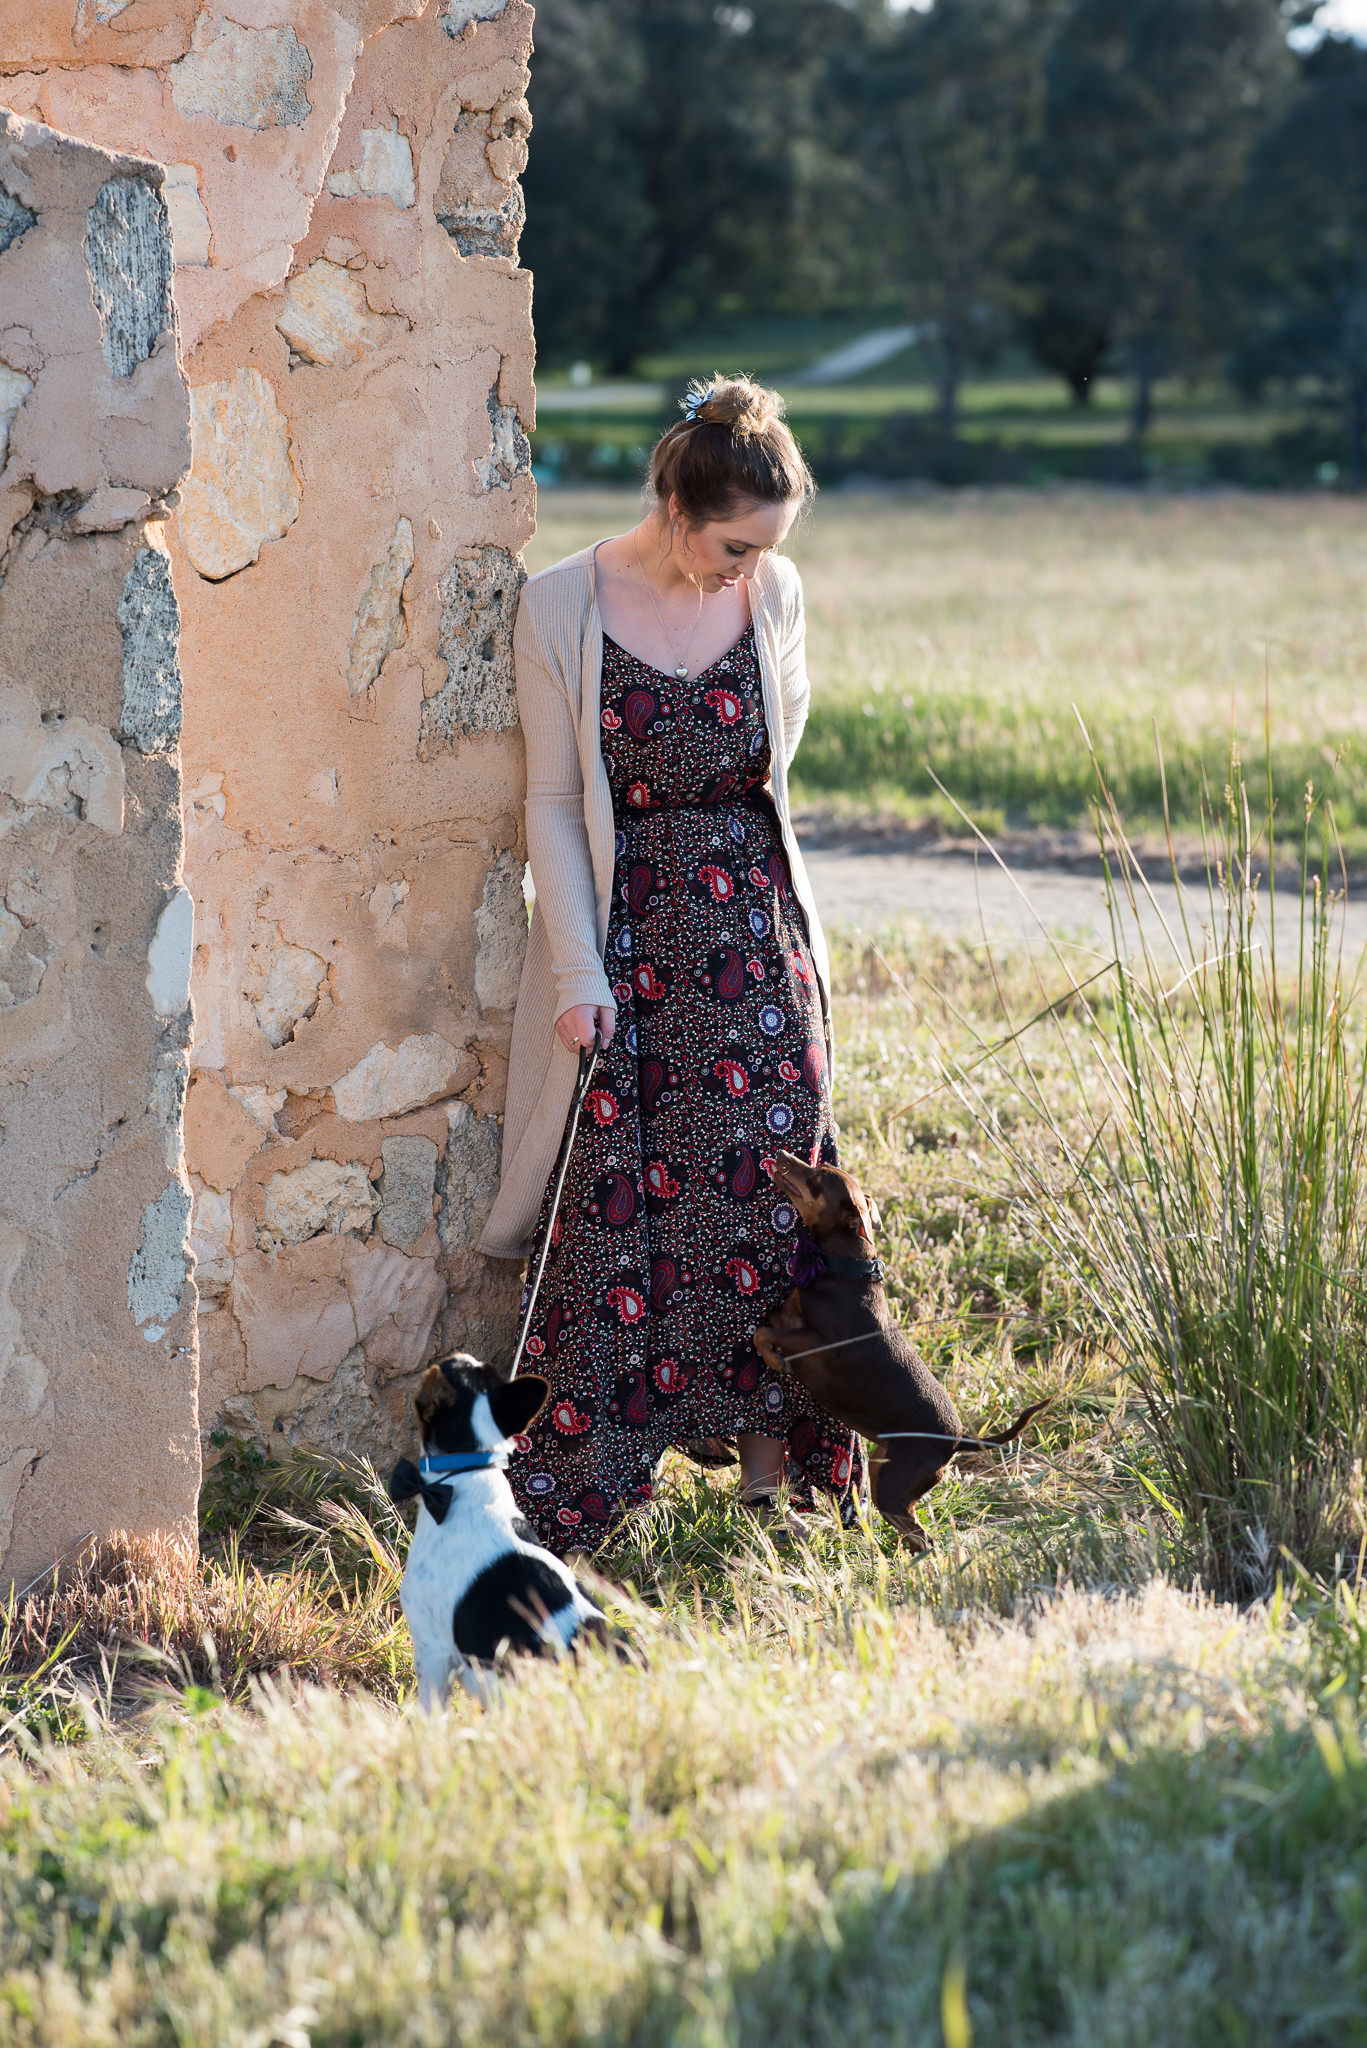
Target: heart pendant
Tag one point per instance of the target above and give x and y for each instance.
(682, 673)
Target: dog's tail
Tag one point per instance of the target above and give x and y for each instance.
(1018, 1427)
(970, 1443)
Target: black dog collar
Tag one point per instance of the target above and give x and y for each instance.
(810, 1261)
(853, 1269)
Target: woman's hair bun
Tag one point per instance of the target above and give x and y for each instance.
(732, 446)
(734, 402)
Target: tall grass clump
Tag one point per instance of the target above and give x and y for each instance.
(1215, 1218)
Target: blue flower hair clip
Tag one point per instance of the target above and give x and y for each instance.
(695, 401)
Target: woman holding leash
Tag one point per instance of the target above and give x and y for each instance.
(662, 689)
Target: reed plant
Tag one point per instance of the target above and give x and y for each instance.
(1214, 1216)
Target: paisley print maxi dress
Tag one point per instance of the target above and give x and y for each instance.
(672, 1245)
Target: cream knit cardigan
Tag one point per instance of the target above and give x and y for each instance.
(571, 841)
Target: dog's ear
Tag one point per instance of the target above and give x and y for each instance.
(435, 1392)
(517, 1403)
(873, 1215)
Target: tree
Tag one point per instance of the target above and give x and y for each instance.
(677, 165)
(589, 220)
(1150, 110)
(950, 104)
(1069, 334)
(1301, 228)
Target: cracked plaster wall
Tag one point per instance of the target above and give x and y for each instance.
(98, 1353)
(343, 199)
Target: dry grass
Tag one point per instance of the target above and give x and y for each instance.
(1110, 1818)
(141, 1618)
(848, 1793)
(956, 632)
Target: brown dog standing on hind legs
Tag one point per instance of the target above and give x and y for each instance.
(835, 1333)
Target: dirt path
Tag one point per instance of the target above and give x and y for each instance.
(966, 898)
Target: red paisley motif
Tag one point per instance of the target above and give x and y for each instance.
(640, 707)
(731, 979)
(627, 1302)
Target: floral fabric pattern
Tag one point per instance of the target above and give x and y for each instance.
(672, 1244)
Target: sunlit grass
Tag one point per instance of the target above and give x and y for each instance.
(955, 633)
(836, 1784)
(1125, 1819)
(1035, 1787)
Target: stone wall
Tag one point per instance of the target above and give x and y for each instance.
(342, 187)
(98, 1421)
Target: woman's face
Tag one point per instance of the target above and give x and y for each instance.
(727, 551)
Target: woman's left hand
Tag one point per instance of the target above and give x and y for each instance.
(577, 1026)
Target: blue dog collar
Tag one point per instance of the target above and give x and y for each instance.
(443, 1465)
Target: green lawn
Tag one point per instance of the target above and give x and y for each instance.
(962, 634)
(1016, 424)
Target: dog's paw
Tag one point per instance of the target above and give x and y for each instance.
(913, 1533)
(770, 1353)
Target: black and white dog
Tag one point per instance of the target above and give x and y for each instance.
(478, 1583)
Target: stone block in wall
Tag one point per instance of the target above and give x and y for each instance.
(408, 1187)
(98, 1346)
(149, 625)
(244, 489)
(479, 594)
(501, 935)
(469, 1176)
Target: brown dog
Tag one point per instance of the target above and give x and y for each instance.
(870, 1378)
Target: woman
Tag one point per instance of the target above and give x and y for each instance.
(662, 691)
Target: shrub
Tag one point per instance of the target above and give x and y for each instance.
(1215, 1216)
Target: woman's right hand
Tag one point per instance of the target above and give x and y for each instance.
(576, 1027)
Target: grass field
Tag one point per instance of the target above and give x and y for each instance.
(956, 634)
(1035, 1788)
(1038, 1787)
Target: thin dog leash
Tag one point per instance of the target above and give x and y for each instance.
(588, 1060)
(932, 1436)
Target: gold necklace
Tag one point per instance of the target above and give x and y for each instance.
(680, 660)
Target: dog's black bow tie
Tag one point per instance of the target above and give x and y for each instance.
(424, 1479)
(406, 1483)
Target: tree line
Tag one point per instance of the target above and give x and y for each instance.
(1145, 188)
